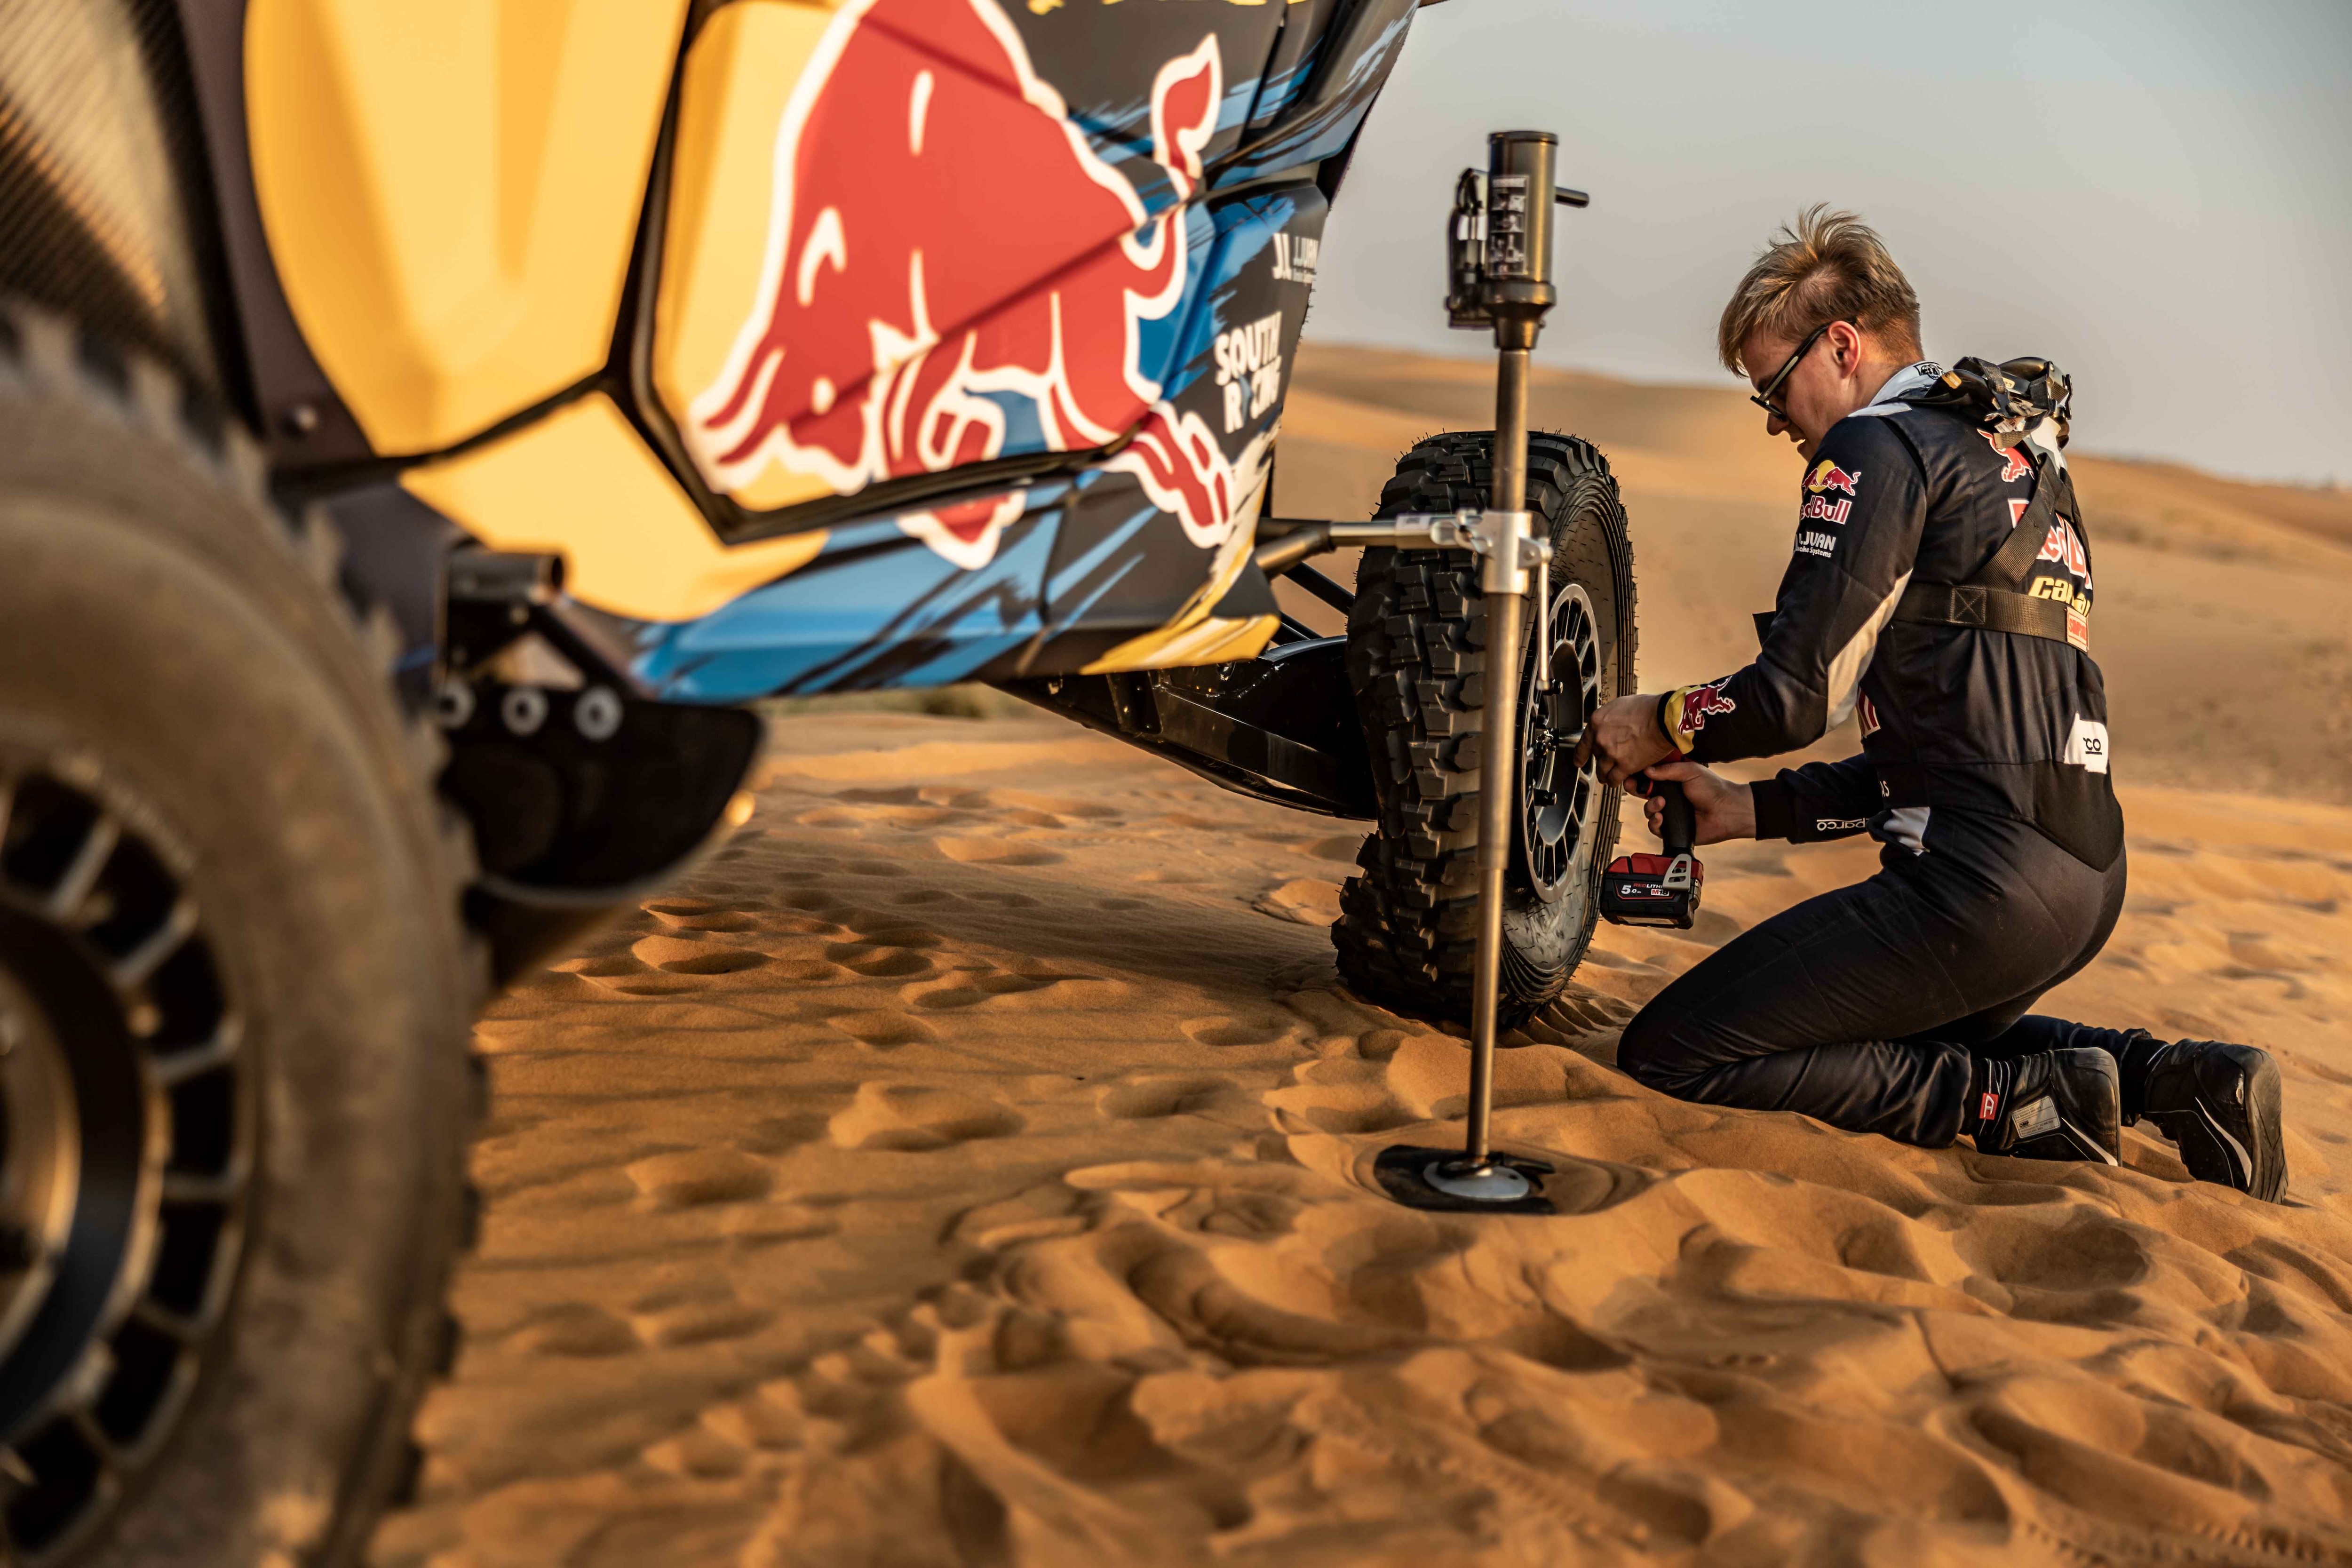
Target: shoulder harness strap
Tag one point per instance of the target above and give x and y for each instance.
(1987, 599)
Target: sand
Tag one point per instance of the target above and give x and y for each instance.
(970, 1166)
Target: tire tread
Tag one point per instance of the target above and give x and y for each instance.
(1407, 934)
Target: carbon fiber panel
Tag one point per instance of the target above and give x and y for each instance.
(97, 146)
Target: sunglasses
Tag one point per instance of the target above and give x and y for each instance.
(1764, 398)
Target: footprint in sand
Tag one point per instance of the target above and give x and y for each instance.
(880, 961)
(1343, 848)
(699, 1176)
(977, 986)
(699, 914)
(1233, 1032)
(882, 1030)
(994, 852)
(972, 990)
(574, 1331)
(677, 955)
(625, 974)
(910, 1118)
(1046, 804)
(1149, 1098)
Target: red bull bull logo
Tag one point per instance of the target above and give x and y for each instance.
(942, 235)
(2014, 463)
(1697, 704)
(1827, 476)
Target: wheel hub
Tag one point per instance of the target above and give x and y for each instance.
(1557, 798)
(126, 1130)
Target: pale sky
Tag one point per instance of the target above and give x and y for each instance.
(2155, 195)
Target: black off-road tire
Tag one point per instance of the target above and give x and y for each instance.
(223, 839)
(1407, 934)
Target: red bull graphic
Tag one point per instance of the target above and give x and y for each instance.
(2014, 463)
(941, 235)
(1697, 703)
(2065, 547)
(1827, 476)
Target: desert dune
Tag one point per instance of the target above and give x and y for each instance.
(970, 1165)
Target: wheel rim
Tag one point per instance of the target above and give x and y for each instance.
(1557, 799)
(127, 1116)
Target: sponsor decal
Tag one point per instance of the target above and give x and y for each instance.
(1812, 541)
(1697, 704)
(1294, 258)
(1827, 476)
(2078, 626)
(880, 342)
(2034, 1120)
(2014, 463)
(1249, 367)
(1839, 824)
(1821, 509)
(2017, 511)
(1868, 710)
(2065, 546)
(2059, 588)
(1987, 1106)
(2087, 744)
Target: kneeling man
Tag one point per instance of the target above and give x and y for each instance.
(1941, 588)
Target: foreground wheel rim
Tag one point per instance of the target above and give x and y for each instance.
(127, 1110)
(1557, 799)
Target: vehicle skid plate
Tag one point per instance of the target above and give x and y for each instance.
(1281, 726)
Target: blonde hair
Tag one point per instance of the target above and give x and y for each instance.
(1825, 266)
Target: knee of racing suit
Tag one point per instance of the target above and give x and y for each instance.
(1646, 1051)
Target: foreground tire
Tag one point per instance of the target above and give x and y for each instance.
(1407, 935)
(234, 988)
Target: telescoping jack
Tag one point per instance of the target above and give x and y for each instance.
(1499, 276)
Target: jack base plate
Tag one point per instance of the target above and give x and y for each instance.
(1443, 1181)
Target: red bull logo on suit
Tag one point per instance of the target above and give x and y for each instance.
(1827, 476)
(942, 237)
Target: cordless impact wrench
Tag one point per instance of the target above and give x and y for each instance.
(1657, 889)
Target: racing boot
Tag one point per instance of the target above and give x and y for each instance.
(2219, 1103)
(2056, 1105)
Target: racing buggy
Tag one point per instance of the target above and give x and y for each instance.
(425, 427)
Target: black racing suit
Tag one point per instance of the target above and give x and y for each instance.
(1983, 773)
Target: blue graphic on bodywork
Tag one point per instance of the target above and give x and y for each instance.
(879, 608)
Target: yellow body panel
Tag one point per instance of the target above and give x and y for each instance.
(451, 191)
(580, 483)
(739, 74)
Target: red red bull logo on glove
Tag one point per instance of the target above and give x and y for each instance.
(942, 236)
(1697, 703)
